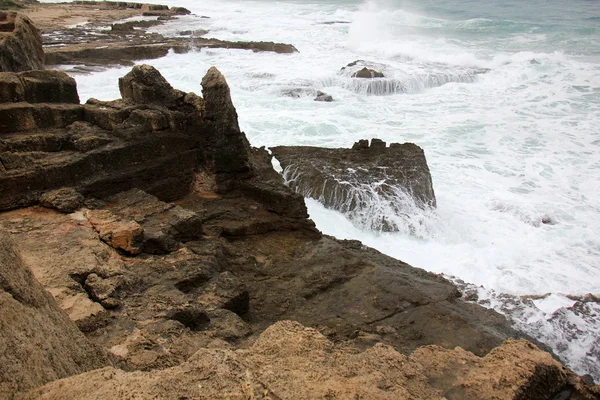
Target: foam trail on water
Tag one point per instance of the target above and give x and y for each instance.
(378, 207)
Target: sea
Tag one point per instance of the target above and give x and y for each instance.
(502, 95)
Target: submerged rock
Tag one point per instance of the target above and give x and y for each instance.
(323, 97)
(20, 43)
(372, 184)
(367, 73)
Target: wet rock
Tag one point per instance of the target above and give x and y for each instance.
(367, 73)
(180, 11)
(65, 200)
(39, 342)
(296, 93)
(356, 181)
(323, 97)
(20, 43)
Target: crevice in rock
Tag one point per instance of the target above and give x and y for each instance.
(392, 314)
(193, 318)
(192, 283)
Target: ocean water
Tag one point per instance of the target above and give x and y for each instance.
(507, 148)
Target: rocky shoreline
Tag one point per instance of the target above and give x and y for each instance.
(147, 250)
(94, 34)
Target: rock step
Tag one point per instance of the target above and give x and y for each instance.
(147, 165)
(16, 117)
(38, 87)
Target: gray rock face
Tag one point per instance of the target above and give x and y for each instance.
(323, 97)
(375, 185)
(20, 43)
(38, 342)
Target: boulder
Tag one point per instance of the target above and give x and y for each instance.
(145, 85)
(227, 292)
(65, 200)
(362, 181)
(323, 97)
(125, 235)
(367, 73)
(38, 342)
(20, 43)
(49, 87)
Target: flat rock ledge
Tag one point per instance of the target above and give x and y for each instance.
(173, 258)
(74, 34)
(375, 185)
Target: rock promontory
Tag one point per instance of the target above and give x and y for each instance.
(174, 246)
(372, 183)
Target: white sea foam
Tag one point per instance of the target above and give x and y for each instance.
(507, 149)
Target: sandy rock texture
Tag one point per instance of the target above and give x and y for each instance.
(38, 342)
(289, 361)
(174, 245)
(20, 43)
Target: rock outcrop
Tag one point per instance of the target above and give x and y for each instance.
(75, 34)
(323, 97)
(38, 342)
(20, 43)
(367, 73)
(164, 234)
(289, 361)
(373, 184)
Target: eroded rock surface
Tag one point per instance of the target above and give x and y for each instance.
(38, 342)
(373, 184)
(20, 43)
(188, 242)
(75, 34)
(289, 361)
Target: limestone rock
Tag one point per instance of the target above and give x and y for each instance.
(228, 292)
(227, 149)
(515, 370)
(49, 87)
(126, 235)
(65, 200)
(145, 85)
(361, 180)
(20, 43)
(289, 361)
(38, 342)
